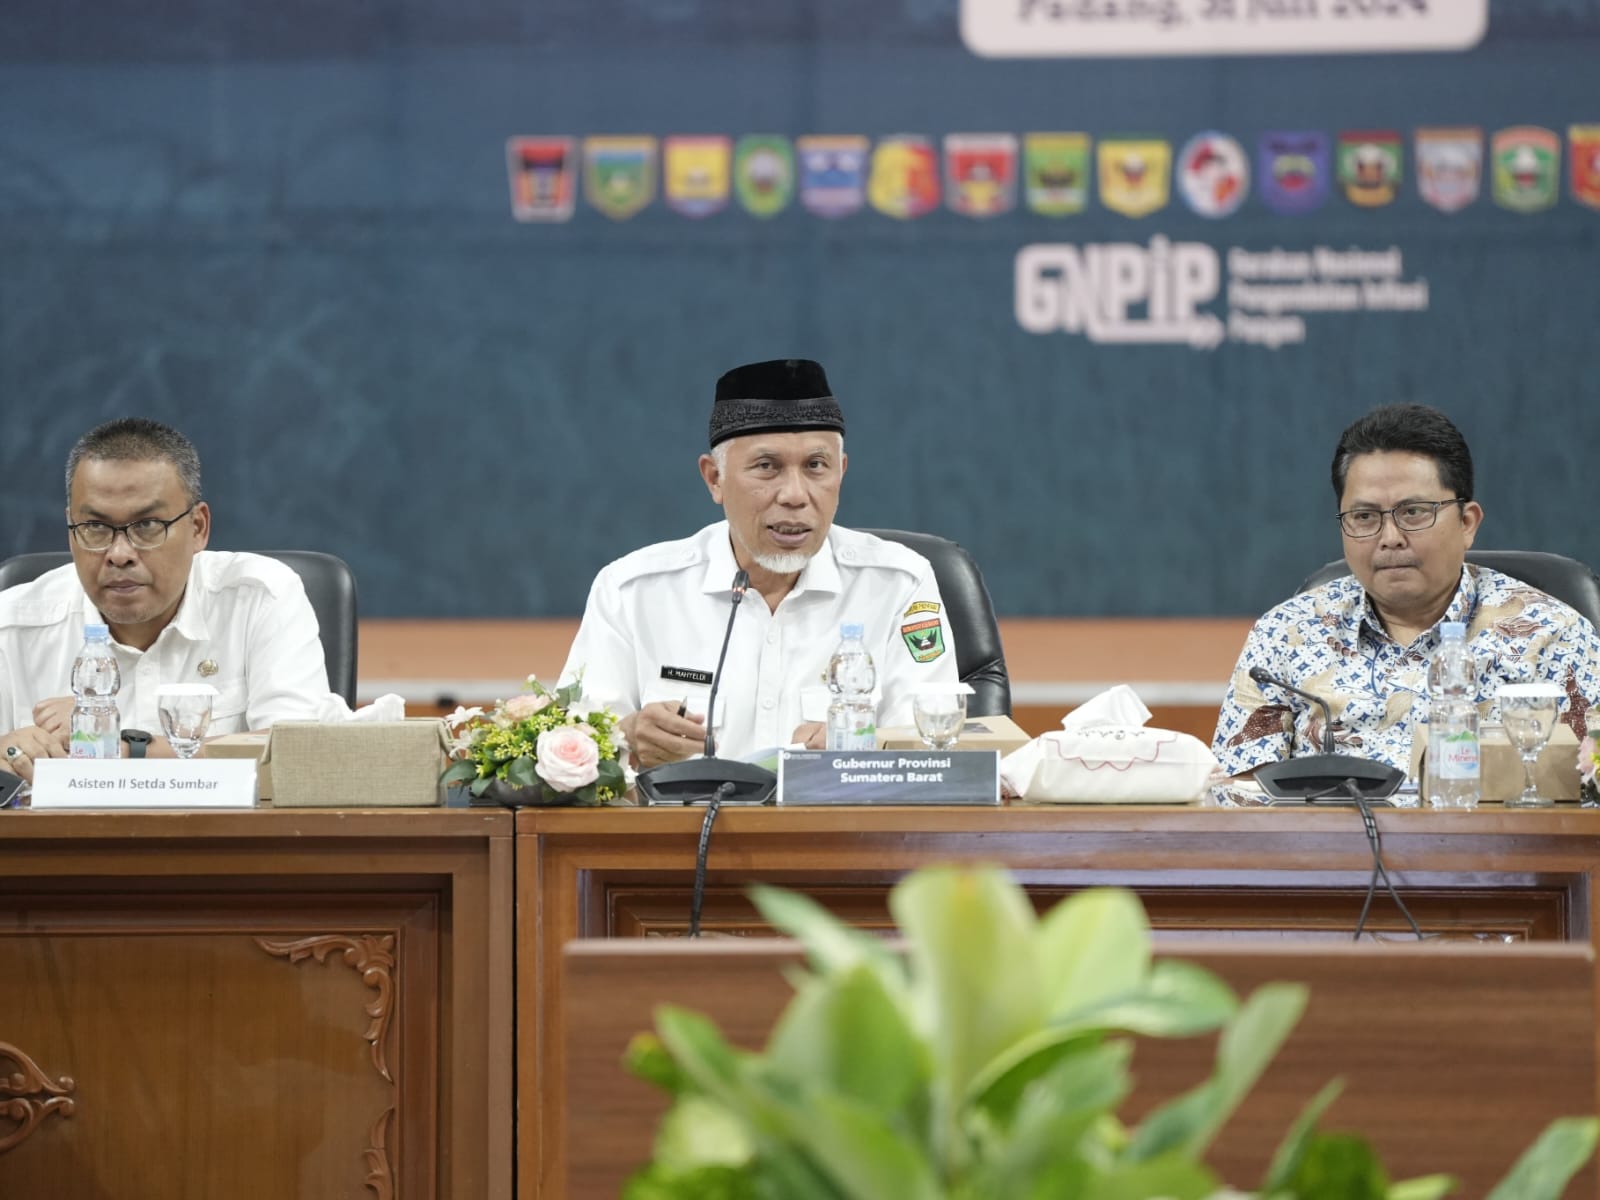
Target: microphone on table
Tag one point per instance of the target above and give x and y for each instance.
(696, 780)
(1322, 776)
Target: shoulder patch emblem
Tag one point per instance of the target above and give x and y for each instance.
(924, 639)
(921, 606)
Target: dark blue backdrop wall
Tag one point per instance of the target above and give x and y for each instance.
(285, 228)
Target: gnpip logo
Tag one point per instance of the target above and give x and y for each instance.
(1122, 293)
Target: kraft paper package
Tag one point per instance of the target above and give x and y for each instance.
(1105, 754)
(371, 758)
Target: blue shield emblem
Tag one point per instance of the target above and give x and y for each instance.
(833, 174)
(1294, 170)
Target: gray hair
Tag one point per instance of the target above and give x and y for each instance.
(135, 439)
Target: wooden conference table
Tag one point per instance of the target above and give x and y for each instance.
(320, 1003)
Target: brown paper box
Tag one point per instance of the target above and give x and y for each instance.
(979, 733)
(357, 764)
(245, 745)
(1501, 766)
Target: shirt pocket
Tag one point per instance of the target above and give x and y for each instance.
(693, 696)
(228, 709)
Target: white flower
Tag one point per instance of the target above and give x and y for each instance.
(461, 716)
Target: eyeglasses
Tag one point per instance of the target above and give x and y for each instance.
(147, 534)
(1410, 516)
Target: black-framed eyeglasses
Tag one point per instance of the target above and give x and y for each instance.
(148, 533)
(1410, 515)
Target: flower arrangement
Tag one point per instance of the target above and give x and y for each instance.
(1588, 762)
(539, 747)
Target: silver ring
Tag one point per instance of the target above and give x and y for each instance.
(13, 752)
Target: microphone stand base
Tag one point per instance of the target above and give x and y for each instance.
(694, 780)
(1318, 778)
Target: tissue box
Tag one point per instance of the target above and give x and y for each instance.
(376, 764)
(978, 733)
(1110, 764)
(245, 745)
(1500, 765)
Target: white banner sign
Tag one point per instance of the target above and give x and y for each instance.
(144, 783)
(1139, 28)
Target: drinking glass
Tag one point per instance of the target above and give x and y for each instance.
(185, 715)
(1528, 712)
(939, 713)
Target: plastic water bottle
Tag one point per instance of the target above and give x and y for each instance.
(1453, 771)
(96, 679)
(852, 716)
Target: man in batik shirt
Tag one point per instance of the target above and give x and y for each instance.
(1402, 477)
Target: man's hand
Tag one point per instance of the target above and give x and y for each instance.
(54, 717)
(30, 743)
(813, 735)
(657, 734)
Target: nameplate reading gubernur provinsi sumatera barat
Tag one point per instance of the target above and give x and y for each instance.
(144, 783)
(889, 777)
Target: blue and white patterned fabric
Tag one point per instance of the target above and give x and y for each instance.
(1330, 642)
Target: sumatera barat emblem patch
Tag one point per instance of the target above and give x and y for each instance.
(925, 639)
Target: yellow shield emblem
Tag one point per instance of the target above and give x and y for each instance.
(1135, 175)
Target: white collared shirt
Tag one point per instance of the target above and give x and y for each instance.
(655, 619)
(244, 626)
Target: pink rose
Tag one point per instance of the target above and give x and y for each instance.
(567, 758)
(1586, 763)
(520, 708)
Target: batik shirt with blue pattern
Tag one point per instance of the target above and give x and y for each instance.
(1330, 642)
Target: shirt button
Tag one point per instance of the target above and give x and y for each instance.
(768, 703)
(772, 638)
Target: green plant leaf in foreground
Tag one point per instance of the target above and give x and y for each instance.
(1545, 1167)
(656, 1182)
(1092, 947)
(1286, 1160)
(1338, 1166)
(830, 944)
(843, 1033)
(1245, 1048)
(975, 982)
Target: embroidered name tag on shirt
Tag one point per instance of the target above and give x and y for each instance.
(686, 675)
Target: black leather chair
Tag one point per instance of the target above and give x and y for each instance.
(1567, 579)
(980, 659)
(330, 586)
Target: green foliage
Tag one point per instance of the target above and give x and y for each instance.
(989, 1061)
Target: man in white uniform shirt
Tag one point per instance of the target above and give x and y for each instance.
(655, 619)
(178, 613)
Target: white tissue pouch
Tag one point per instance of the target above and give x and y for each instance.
(1110, 764)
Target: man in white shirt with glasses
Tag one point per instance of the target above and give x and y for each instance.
(178, 613)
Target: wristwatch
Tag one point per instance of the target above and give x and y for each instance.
(138, 741)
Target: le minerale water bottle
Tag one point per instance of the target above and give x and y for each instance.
(852, 716)
(1453, 772)
(96, 679)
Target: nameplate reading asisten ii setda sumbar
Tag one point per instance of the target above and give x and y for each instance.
(144, 783)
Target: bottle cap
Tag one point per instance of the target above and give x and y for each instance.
(1453, 631)
(92, 631)
(851, 630)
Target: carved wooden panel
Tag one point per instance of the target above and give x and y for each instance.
(207, 1064)
(28, 1096)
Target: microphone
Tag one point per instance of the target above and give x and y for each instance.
(1312, 777)
(697, 780)
(741, 584)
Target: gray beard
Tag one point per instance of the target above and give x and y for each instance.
(782, 564)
